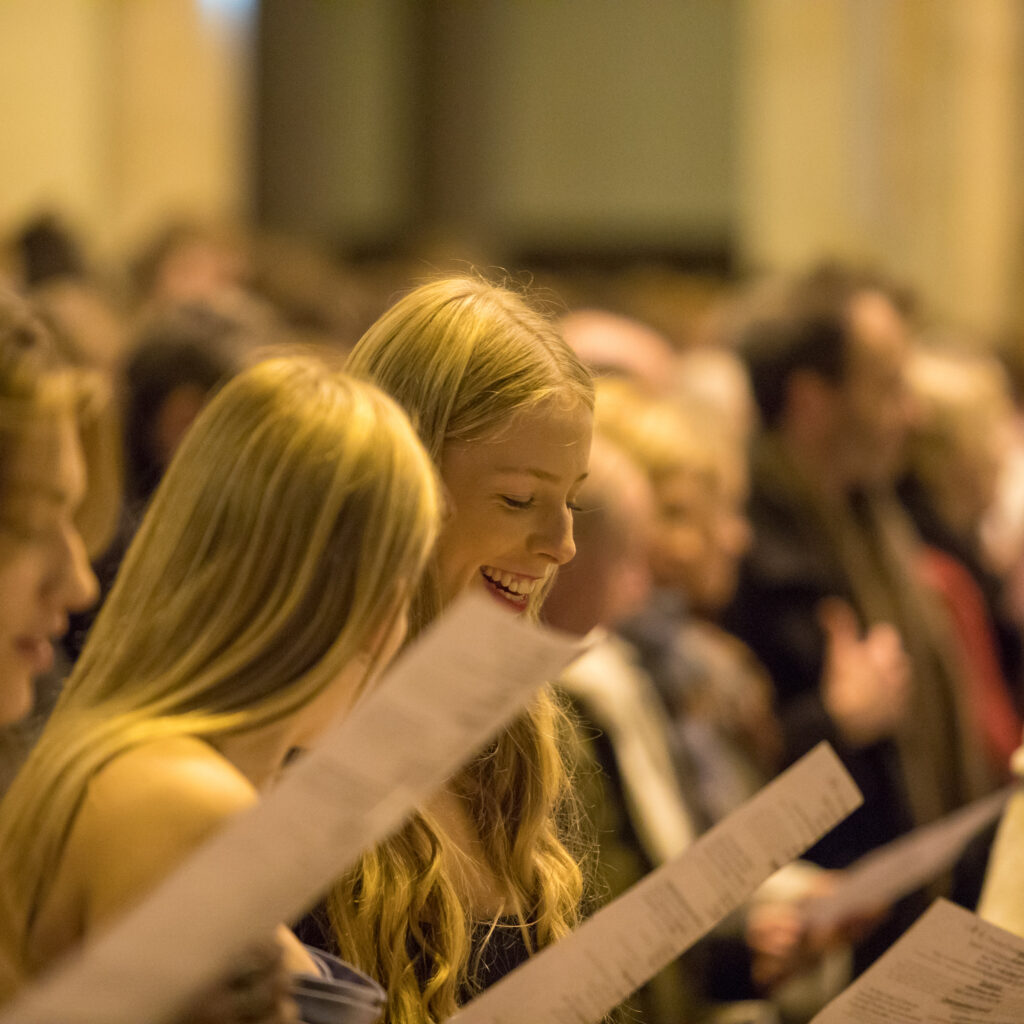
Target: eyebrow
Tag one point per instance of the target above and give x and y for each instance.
(540, 474)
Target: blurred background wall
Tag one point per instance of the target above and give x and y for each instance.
(715, 135)
(121, 113)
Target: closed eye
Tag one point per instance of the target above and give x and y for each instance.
(518, 503)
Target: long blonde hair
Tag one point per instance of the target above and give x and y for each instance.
(462, 357)
(285, 535)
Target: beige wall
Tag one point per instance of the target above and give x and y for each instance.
(120, 113)
(887, 130)
(52, 111)
(880, 129)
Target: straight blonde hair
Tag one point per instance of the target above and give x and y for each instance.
(463, 357)
(284, 537)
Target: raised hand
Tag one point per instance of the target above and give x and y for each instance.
(865, 684)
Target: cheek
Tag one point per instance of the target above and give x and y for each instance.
(461, 550)
(452, 554)
(475, 537)
(21, 580)
(630, 588)
(680, 543)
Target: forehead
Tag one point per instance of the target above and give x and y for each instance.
(880, 339)
(682, 487)
(551, 437)
(720, 486)
(46, 463)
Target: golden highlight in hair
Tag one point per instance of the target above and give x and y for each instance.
(284, 537)
(462, 357)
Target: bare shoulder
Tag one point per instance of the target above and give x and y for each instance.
(176, 776)
(144, 813)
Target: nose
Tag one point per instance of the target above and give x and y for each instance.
(76, 582)
(553, 538)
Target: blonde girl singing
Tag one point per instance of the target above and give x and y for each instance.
(489, 871)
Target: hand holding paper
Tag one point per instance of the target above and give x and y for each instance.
(888, 874)
(587, 974)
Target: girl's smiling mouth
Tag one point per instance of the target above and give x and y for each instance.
(511, 588)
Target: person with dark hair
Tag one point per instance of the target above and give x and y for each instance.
(182, 357)
(833, 564)
(48, 250)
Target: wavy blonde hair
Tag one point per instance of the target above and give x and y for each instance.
(284, 537)
(462, 357)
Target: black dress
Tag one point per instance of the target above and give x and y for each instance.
(497, 949)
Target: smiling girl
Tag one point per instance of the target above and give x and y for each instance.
(486, 873)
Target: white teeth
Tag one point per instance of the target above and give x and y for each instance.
(514, 584)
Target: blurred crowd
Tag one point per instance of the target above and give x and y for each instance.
(804, 521)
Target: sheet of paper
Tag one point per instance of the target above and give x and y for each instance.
(441, 702)
(951, 967)
(583, 977)
(905, 865)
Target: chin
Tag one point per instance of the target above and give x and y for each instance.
(16, 699)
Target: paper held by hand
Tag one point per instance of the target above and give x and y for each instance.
(588, 973)
(950, 967)
(899, 868)
(443, 699)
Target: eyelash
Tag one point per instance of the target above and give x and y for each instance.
(520, 505)
(517, 503)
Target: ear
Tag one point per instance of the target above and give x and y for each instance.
(811, 402)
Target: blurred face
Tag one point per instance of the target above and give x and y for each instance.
(175, 415)
(512, 496)
(701, 533)
(198, 268)
(44, 569)
(609, 580)
(874, 403)
(625, 585)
